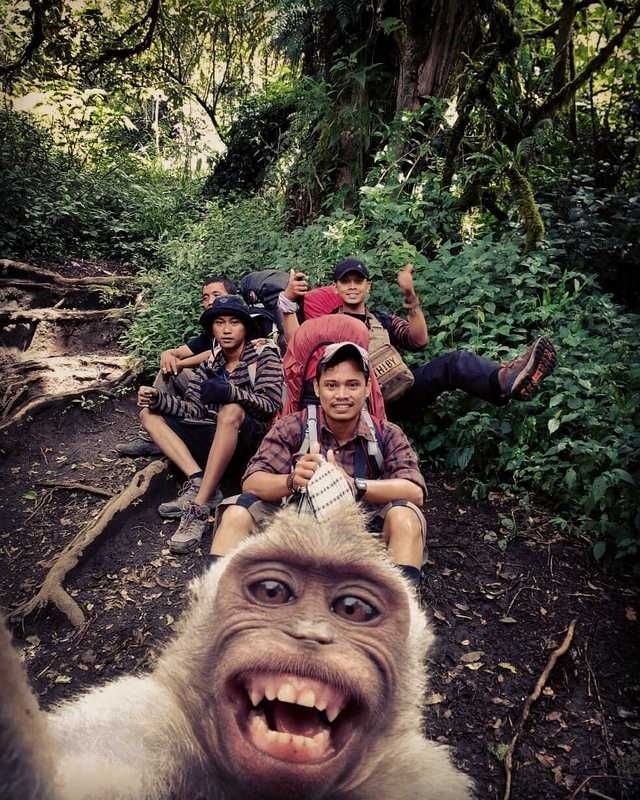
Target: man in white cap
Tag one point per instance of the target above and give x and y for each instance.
(391, 487)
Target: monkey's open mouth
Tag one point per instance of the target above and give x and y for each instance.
(294, 718)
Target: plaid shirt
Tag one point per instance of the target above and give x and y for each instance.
(279, 449)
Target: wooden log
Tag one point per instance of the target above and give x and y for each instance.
(56, 315)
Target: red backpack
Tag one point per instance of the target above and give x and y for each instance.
(306, 348)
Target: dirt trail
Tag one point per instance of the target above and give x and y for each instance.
(498, 613)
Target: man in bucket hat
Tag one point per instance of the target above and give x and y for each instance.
(229, 403)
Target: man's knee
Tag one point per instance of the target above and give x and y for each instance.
(231, 414)
(402, 522)
(236, 516)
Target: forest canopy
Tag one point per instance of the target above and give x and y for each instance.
(493, 145)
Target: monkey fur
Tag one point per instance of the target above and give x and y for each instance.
(297, 673)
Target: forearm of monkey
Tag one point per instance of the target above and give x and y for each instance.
(384, 491)
(267, 486)
(123, 741)
(26, 760)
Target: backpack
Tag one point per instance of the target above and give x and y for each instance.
(306, 347)
(393, 375)
(374, 447)
(264, 287)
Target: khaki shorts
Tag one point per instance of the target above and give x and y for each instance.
(261, 512)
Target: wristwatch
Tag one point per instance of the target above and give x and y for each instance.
(361, 487)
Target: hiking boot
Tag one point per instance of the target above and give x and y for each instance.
(173, 509)
(140, 445)
(520, 378)
(193, 524)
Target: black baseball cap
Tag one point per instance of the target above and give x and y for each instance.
(350, 265)
(230, 305)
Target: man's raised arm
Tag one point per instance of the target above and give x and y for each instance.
(418, 331)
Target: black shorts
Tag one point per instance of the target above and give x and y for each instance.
(198, 436)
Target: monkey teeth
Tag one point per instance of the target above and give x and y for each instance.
(287, 746)
(296, 690)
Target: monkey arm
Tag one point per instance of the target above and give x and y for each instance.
(384, 491)
(111, 742)
(267, 486)
(117, 735)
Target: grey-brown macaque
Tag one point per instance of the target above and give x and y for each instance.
(298, 672)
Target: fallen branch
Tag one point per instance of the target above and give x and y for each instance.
(541, 683)
(7, 265)
(77, 487)
(51, 589)
(104, 387)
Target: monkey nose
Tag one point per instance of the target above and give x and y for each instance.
(313, 631)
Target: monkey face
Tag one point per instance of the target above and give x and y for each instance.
(306, 669)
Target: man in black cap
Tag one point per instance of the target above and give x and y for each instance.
(406, 391)
(229, 403)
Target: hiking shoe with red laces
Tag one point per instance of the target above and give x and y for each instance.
(520, 378)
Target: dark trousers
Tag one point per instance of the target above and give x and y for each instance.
(458, 370)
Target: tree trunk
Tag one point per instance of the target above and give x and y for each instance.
(430, 47)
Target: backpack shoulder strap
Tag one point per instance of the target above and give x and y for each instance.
(259, 345)
(310, 430)
(374, 446)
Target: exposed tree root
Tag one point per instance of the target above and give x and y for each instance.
(38, 404)
(29, 271)
(540, 684)
(77, 487)
(51, 589)
(57, 315)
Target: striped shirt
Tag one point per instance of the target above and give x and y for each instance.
(261, 398)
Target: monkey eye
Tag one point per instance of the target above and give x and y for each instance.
(354, 609)
(270, 592)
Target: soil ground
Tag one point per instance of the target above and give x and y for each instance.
(499, 612)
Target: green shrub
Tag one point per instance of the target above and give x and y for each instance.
(56, 207)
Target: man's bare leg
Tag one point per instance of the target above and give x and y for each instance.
(230, 418)
(169, 442)
(236, 524)
(402, 533)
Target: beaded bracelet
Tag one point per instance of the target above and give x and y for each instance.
(290, 486)
(285, 305)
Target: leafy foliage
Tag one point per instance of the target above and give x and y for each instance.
(254, 142)
(57, 207)
(577, 442)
